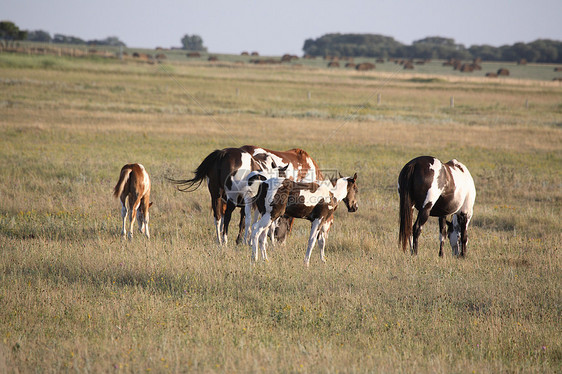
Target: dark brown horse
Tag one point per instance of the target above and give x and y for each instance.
(437, 190)
(225, 171)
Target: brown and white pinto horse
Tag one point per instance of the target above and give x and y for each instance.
(226, 169)
(133, 190)
(315, 202)
(437, 190)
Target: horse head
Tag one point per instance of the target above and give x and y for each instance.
(350, 199)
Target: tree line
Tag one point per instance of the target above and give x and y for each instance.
(434, 47)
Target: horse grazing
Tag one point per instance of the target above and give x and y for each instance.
(226, 169)
(133, 190)
(315, 202)
(437, 190)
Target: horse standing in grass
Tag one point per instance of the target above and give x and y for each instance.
(437, 190)
(226, 169)
(315, 202)
(133, 190)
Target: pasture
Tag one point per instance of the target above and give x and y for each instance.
(75, 297)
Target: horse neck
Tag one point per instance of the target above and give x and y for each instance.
(340, 189)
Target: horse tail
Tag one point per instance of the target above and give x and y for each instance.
(123, 178)
(406, 213)
(208, 165)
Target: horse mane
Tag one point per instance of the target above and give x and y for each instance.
(203, 171)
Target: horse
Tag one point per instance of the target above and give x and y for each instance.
(224, 170)
(316, 202)
(134, 186)
(437, 190)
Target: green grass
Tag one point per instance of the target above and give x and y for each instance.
(75, 297)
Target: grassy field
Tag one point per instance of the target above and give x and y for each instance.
(74, 297)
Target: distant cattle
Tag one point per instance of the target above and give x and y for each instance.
(213, 58)
(193, 54)
(409, 65)
(558, 69)
(244, 53)
(309, 57)
(264, 61)
(160, 56)
(380, 60)
(255, 53)
(350, 65)
(289, 58)
(557, 79)
(364, 66)
(503, 71)
(522, 62)
(333, 64)
(466, 68)
(492, 75)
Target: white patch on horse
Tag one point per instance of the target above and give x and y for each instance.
(434, 191)
(311, 173)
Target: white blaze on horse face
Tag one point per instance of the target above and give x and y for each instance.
(434, 191)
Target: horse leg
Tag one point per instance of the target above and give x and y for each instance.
(312, 240)
(124, 217)
(464, 238)
(257, 230)
(241, 226)
(442, 234)
(133, 206)
(230, 206)
(422, 218)
(322, 236)
(217, 206)
(145, 205)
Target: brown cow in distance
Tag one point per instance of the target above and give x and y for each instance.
(364, 66)
(503, 71)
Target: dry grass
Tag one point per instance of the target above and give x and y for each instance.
(76, 298)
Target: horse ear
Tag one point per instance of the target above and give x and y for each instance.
(355, 176)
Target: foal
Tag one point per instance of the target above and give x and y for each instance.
(134, 186)
(315, 202)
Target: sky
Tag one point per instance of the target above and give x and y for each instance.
(278, 27)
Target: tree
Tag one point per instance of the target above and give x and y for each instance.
(110, 41)
(10, 32)
(64, 39)
(193, 43)
(39, 36)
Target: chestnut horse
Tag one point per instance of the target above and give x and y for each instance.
(133, 190)
(437, 190)
(225, 170)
